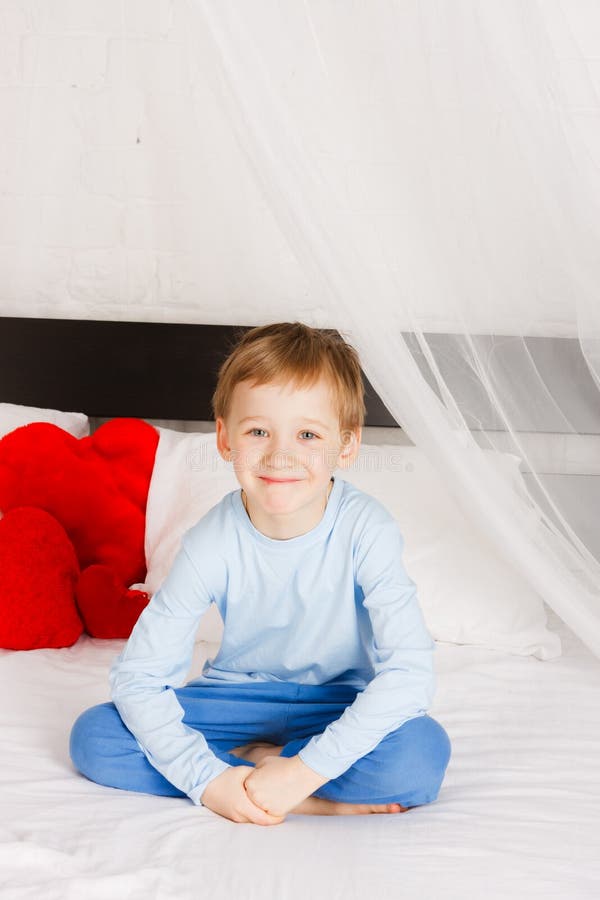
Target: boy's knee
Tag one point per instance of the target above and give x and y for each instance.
(435, 741)
(424, 755)
(87, 734)
(434, 750)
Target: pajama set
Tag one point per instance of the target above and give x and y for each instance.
(324, 651)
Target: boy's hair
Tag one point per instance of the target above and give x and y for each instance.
(286, 352)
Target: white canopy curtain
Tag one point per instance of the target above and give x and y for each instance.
(421, 160)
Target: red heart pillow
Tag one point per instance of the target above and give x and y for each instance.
(39, 572)
(108, 609)
(96, 487)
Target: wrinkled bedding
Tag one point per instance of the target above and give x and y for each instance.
(517, 815)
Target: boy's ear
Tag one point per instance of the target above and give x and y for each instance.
(222, 440)
(350, 446)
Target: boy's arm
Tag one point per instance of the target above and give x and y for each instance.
(404, 683)
(157, 658)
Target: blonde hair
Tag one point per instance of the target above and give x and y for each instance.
(286, 352)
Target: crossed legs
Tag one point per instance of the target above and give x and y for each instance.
(405, 769)
(315, 806)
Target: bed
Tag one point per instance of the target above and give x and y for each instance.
(517, 813)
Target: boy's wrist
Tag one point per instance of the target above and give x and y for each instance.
(309, 776)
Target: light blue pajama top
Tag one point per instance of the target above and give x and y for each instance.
(333, 605)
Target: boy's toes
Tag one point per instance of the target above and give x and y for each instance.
(385, 808)
(246, 750)
(237, 751)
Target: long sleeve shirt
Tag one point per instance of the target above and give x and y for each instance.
(333, 605)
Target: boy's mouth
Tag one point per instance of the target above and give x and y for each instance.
(277, 480)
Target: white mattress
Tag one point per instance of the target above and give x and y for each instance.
(517, 815)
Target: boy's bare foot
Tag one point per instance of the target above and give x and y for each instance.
(256, 750)
(315, 806)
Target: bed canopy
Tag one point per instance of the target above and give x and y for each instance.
(422, 175)
(430, 168)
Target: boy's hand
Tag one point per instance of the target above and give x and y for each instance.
(227, 796)
(278, 784)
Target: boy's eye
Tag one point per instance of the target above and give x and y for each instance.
(253, 430)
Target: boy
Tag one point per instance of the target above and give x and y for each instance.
(316, 701)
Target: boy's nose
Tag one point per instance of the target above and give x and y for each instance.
(278, 460)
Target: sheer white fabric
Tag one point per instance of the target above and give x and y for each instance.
(425, 162)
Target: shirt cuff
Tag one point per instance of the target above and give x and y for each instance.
(216, 769)
(321, 763)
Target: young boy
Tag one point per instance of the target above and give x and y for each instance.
(317, 699)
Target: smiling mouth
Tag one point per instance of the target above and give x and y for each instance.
(277, 480)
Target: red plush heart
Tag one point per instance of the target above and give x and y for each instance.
(39, 571)
(108, 609)
(96, 487)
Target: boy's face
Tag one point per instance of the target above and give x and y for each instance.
(285, 443)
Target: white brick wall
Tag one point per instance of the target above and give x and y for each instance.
(122, 190)
(79, 61)
(152, 17)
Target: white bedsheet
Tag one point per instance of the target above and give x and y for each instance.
(517, 815)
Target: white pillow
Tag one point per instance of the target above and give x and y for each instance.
(468, 595)
(13, 416)
(189, 478)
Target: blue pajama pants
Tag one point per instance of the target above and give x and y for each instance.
(407, 766)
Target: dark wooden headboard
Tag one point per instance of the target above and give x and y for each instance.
(148, 370)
